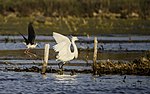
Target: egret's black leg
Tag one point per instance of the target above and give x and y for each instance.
(59, 64)
(62, 66)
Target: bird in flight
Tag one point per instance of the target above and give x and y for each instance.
(30, 41)
(63, 47)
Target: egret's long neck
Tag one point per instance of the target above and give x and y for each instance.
(75, 49)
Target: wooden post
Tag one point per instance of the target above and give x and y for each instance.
(95, 57)
(46, 54)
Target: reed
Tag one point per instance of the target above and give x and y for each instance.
(82, 8)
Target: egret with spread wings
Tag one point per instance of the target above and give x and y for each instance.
(30, 41)
(63, 47)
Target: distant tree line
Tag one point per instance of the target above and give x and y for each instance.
(79, 8)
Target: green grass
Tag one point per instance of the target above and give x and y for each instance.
(75, 26)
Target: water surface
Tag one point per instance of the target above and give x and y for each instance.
(20, 82)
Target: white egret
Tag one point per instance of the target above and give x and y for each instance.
(63, 47)
(30, 41)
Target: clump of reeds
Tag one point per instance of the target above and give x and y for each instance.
(136, 67)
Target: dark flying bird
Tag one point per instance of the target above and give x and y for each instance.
(30, 41)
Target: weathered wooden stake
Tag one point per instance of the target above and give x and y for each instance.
(95, 57)
(46, 54)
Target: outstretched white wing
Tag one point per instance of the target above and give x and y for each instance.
(60, 38)
(62, 46)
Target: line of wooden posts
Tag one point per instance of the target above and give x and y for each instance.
(46, 55)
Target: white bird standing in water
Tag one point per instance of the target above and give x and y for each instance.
(63, 47)
(30, 41)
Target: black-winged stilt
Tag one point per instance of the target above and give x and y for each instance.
(30, 41)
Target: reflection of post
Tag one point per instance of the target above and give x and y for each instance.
(46, 54)
(95, 57)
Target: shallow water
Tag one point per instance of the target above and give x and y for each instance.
(21, 82)
(112, 47)
(106, 43)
